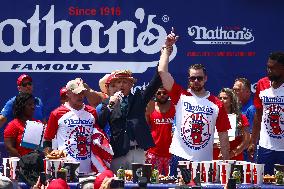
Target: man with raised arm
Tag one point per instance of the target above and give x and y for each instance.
(78, 135)
(198, 112)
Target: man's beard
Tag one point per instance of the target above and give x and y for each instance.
(274, 78)
(196, 88)
(164, 101)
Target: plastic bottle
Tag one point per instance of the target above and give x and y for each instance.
(17, 171)
(52, 170)
(248, 174)
(237, 175)
(8, 169)
(155, 176)
(120, 173)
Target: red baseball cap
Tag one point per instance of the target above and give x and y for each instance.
(22, 77)
(63, 91)
(99, 179)
(58, 184)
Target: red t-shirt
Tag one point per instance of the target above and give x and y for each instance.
(15, 129)
(161, 130)
(234, 143)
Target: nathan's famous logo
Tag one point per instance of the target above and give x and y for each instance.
(101, 40)
(220, 36)
(273, 100)
(195, 131)
(78, 142)
(74, 122)
(274, 121)
(198, 109)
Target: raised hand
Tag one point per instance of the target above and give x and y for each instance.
(171, 38)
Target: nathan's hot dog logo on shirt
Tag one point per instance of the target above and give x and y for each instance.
(79, 138)
(195, 131)
(274, 121)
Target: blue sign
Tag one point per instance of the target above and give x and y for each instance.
(56, 41)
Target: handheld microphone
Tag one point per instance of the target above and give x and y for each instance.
(111, 104)
(119, 95)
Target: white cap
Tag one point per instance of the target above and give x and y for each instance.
(75, 86)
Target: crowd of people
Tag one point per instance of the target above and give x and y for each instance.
(161, 125)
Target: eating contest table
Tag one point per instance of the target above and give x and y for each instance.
(159, 186)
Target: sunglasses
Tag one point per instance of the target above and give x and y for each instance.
(161, 92)
(223, 98)
(27, 83)
(194, 78)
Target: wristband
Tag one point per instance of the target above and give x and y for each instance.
(167, 48)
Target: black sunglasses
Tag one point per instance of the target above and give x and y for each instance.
(27, 83)
(194, 78)
(161, 92)
(223, 98)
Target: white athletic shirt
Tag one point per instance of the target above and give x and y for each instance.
(196, 119)
(271, 101)
(74, 130)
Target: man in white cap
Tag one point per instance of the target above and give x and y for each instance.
(74, 124)
(25, 85)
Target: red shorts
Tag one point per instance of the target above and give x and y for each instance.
(161, 163)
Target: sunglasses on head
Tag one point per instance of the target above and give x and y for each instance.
(161, 92)
(194, 78)
(27, 83)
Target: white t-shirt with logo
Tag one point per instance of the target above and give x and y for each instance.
(74, 130)
(271, 101)
(196, 119)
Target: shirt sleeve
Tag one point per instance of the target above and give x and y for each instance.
(99, 108)
(11, 130)
(222, 122)
(175, 93)
(250, 115)
(244, 120)
(52, 127)
(7, 110)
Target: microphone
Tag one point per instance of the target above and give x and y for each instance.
(111, 104)
(119, 95)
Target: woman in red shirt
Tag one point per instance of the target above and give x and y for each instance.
(240, 143)
(23, 110)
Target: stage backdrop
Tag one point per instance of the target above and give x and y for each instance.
(56, 41)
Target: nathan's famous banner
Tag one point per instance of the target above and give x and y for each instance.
(56, 41)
